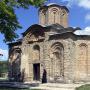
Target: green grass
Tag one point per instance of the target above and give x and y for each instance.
(84, 87)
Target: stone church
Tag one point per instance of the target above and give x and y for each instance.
(53, 47)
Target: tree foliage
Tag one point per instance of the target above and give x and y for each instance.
(8, 19)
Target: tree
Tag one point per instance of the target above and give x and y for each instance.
(8, 19)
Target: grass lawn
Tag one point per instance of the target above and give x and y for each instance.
(84, 87)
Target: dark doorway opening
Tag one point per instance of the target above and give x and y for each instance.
(36, 71)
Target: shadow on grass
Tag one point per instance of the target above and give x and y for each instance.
(16, 89)
(3, 88)
(7, 85)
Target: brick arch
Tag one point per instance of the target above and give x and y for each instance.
(54, 10)
(83, 61)
(57, 62)
(57, 44)
(83, 44)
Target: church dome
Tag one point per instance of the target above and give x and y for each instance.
(52, 14)
(55, 4)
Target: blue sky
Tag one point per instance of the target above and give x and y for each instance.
(79, 16)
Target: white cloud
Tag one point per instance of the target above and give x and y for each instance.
(84, 3)
(81, 3)
(5, 54)
(87, 17)
(85, 31)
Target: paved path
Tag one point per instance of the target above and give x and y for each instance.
(54, 86)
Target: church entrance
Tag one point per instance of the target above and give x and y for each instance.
(36, 71)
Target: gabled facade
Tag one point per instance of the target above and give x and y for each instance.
(51, 51)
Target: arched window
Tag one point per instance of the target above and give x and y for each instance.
(57, 64)
(36, 52)
(83, 61)
(43, 17)
(63, 18)
(54, 15)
